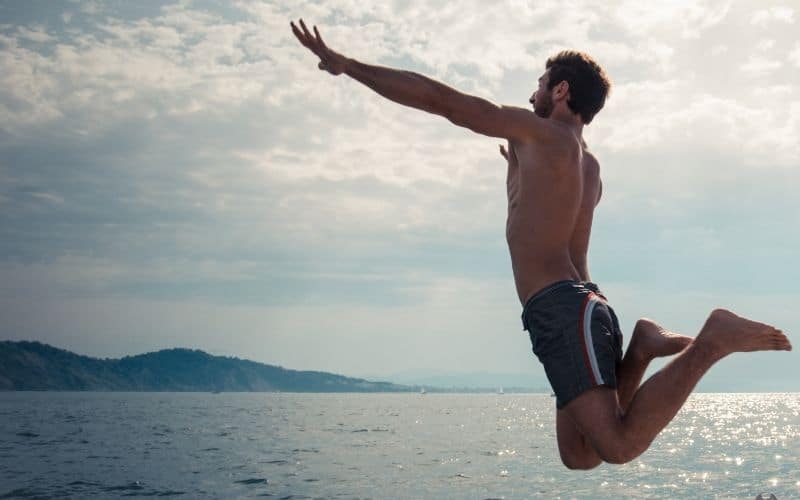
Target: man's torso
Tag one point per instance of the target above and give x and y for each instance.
(552, 191)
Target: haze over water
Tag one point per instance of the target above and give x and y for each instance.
(377, 445)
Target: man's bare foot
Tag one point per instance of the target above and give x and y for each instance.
(650, 340)
(726, 332)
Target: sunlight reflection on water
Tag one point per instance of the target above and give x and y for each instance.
(378, 445)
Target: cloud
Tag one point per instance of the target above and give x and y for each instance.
(35, 35)
(779, 14)
(760, 66)
(693, 18)
(794, 55)
(766, 44)
(719, 49)
(167, 161)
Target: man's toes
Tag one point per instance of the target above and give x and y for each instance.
(779, 341)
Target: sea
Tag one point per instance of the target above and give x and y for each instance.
(291, 446)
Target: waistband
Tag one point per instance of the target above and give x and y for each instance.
(555, 286)
(549, 288)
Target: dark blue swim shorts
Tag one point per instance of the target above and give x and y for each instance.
(576, 336)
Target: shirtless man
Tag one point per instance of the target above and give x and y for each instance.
(602, 414)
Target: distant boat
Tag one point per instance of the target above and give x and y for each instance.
(500, 391)
(422, 391)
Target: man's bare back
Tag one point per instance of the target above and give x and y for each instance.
(553, 187)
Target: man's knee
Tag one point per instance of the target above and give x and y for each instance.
(580, 463)
(613, 452)
(597, 415)
(620, 451)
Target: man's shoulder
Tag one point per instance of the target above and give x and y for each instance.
(552, 136)
(591, 174)
(590, 161)
(591, 167)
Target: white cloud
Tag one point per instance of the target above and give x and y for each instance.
(779, 14)
(692, 17)
(782, 91)
(91, 7)
(765, 45)
(794, 55)
(719, 49)
(37, 34)
(207, 156)
(27, 87)
(760, 66)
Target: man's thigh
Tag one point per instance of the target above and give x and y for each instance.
(594, 415)
(575, 450)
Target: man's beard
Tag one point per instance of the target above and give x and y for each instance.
(543, 106)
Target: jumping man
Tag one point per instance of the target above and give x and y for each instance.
(602, 414)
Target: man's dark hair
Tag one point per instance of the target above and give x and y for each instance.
(588, 83)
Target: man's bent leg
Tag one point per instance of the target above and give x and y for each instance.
(648, 341)
(575, 450)
(621, 436)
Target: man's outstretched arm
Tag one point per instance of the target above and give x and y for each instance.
(420, 92)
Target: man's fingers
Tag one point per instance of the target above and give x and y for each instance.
(306, 38)
(319, 38)
(313, 42)
(298, 34)
(305, 30)
(323, 50)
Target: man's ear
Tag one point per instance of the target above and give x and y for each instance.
(561, 91)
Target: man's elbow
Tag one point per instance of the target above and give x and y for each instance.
(456, 118)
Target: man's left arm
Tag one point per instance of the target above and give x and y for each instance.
(423, 93)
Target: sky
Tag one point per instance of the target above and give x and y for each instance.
(182, 174)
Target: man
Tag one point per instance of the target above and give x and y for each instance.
(553, 187)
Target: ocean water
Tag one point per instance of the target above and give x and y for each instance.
(245, 445)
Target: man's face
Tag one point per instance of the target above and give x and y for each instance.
(542, 99)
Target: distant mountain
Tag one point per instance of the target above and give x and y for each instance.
(33, 366)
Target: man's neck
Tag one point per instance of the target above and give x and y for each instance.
(570, 120)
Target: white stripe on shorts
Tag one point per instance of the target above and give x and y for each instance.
(587, 336)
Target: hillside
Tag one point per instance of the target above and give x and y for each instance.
(33, 366)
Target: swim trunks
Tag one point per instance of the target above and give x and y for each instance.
(576, 336)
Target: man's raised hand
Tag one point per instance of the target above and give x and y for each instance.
(329, 60)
